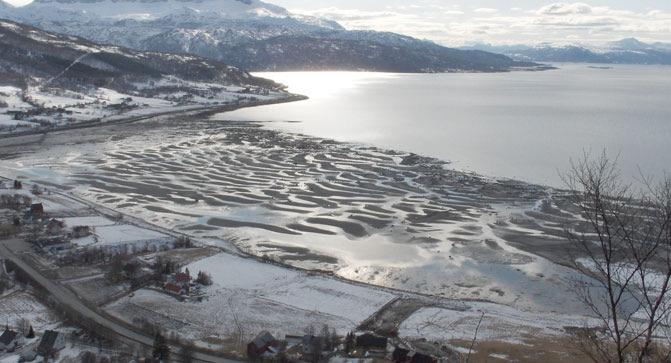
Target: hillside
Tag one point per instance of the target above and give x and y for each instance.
(625, 51)
(235, 31)
(50, 80)
(358, 51)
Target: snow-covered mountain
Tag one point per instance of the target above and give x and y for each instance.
(47, 79)
(625, 51)
(234, 31)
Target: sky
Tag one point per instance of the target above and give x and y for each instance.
(463, 22)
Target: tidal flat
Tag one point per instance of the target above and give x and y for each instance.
(382, 217)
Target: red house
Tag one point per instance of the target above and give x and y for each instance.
(37, 210)
(173, 288)
(182, 278)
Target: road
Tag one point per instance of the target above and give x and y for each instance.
(67, 298)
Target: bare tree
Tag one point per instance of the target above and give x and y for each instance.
(624, 244)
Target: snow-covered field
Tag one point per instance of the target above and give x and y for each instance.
(260, 297)
(499, 322)
(63, 107)
(91, 221)
(123, 234)
(23, 305)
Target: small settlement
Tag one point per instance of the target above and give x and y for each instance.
(103, 257)
(354, 348)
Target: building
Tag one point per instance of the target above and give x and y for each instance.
(52, 342)
(371, 346)
(173, 288)
(262, 344)
(401, 355)
(55, 227)
(36, 211)
(182, 278)
(53, 244)
(9, 340)
(312, 347)
(81, 231)
(371, 342)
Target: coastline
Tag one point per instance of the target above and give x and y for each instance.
(424, 194)
(440, 197)
(187, 110)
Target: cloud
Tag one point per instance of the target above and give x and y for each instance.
(486, 11)
(565, 9)
(553, 22)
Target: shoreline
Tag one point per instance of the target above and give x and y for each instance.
(393, 313)
(468, 195)
(265, 151)
(194, 110)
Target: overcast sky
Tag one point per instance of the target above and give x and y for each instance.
(461, 22)
(508, 22)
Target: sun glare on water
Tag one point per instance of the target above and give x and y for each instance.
(325, 84)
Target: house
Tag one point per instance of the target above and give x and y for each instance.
(293, 340)
(9, 340)
(53, 244)
(182, 278)
(401, 355)
(312, 347)
(369, 341)
(36, 211)
(81, 231)
(51, 343)
(173, 288)
(262, 344)
(55, 227)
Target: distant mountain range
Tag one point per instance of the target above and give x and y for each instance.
(249, 34)
(625, 51)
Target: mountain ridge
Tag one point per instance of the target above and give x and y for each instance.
(49, 80)
(624, 51)
(234, 31)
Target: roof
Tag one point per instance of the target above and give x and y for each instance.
(263, 340)
(369, 340)
(405, 355)
(53, 241)
(182, 277)
(173, 288)
(48, 341)
(421, 358)
(400, 354)
(7, 336)
(56, 222)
